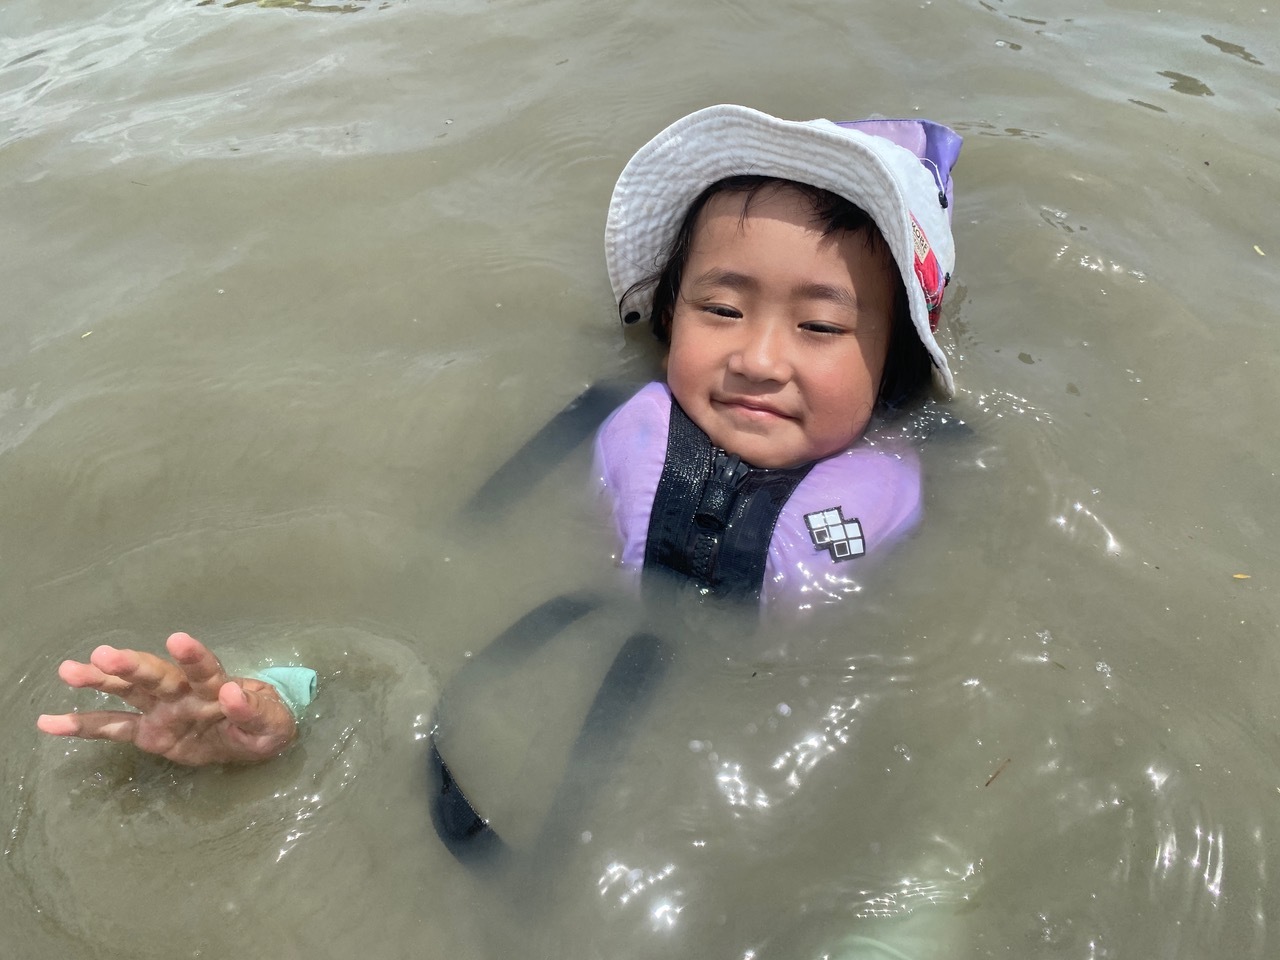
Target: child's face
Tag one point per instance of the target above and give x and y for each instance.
(779, 335)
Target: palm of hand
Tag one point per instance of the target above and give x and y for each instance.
(187, 709)
(194, 731)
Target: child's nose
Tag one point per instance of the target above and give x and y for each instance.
(761, 355)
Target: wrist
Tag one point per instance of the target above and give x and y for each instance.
(296, 686)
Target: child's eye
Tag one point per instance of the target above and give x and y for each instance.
(720, 310)
(825, 328)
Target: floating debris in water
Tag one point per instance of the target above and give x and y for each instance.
(350, 6)
(999, 770)
(1258, 250)
(1241, 576)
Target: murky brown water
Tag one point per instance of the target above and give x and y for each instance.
(281, 287)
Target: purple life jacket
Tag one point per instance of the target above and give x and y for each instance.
(843, 508)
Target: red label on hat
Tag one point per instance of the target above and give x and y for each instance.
(928, 273)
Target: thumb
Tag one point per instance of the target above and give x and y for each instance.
(256, 711)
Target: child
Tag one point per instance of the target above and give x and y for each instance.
(799, 276)
(796, 271)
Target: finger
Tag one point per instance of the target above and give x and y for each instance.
(115, 725)
(255, 708)
(58, 724)
(204, 671)
(88, 676)
(260, 726)
(85, 675)
(145, 672)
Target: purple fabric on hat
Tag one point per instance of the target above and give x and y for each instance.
(857, 503)
(928, 140)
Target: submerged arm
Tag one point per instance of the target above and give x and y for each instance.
(547, 448)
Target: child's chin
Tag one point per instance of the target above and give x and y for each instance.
(773, 444)
(767, 456)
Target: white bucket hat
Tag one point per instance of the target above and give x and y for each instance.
(898, 171)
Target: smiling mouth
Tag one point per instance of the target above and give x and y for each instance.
(753, 409)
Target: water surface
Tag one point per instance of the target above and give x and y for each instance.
(283, 285)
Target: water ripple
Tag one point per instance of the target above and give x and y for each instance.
(82, 813)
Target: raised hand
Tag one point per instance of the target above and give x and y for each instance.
(187, 709)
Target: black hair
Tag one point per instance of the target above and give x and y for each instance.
(907, 365)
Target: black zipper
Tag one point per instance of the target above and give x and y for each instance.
(720, 491)
(719, 494)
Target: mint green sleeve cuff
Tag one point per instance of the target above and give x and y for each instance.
(296, 685)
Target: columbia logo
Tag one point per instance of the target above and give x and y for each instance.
(830, 531)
